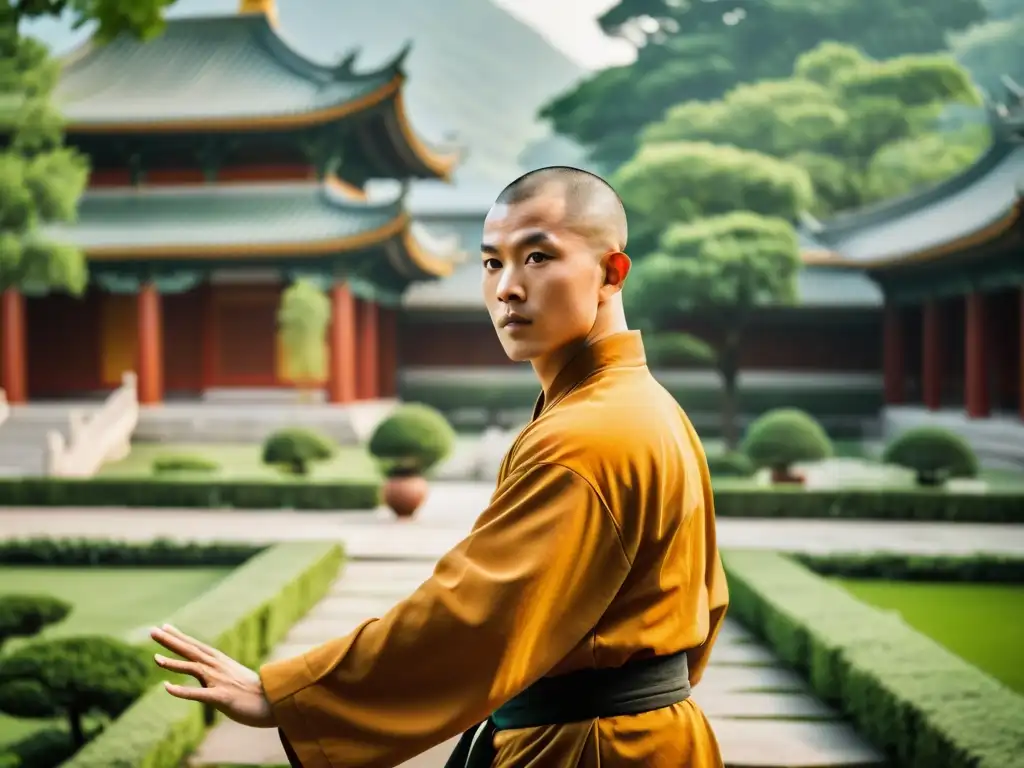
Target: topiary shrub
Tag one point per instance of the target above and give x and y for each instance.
(73, 678)
(783, 437)
(183, 462)
(411, 440)
(730, 464)
(294, 449)
(934, 454)
(27, 615)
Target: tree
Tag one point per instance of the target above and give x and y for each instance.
(722, 267)
(27, 615)
(142, 18)
(679, 182)
(699, 50)
(302, 320)
(41, 180)
(73, 677)
(846, 120)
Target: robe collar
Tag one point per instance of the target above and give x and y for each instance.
(620, 350)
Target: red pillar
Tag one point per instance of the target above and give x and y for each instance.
(150, 352)
(369, 354)
(12, 343)
(931, 355)
(976, 396)
(893, 355)
(1020, 353)
(341, 373)
(388, 371)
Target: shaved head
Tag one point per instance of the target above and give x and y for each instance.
(592, 207)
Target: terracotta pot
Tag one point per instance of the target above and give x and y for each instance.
(783, 475)
(404, 495)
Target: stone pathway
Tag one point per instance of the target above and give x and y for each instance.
(450, 511)
(763, 714)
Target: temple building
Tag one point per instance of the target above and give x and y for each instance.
(225, 164)
(950, 264)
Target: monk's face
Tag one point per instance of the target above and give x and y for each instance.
(542, 277)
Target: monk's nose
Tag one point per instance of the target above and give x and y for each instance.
(510, 287)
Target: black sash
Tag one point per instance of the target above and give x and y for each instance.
(588, 694)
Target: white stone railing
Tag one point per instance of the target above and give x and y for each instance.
(105, 436)
(5, 410)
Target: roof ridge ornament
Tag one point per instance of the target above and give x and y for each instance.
(267, 7)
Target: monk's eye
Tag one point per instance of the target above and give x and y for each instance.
(537, 257)
(492, 264)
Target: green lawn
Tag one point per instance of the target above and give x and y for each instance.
(238, 461)
(123, 602)
(981, 623)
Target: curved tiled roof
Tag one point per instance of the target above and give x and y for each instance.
(976, 204)
(208, 69)
(238, 221)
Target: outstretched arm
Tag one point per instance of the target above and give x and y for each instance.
(501, 609)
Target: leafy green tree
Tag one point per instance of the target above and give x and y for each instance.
(722, 268)
(73, 678)
(27, 615)
(302, 318)
(680, 182)
(142, 18)
(846, 120)
(41, 180)
(692, 50)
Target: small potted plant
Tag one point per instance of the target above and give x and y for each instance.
(783, 437)
(407, 444)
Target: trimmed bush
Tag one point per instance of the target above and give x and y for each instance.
(934, 504)
(783, 437)
(731, 464)
(196, 492)
(933, 453)
(294, 449)
(73, 677)
(108, 552)
(411, 440)
(244, 615)
(27, 615)
(974, 569)
(184, 463)
(921, 704)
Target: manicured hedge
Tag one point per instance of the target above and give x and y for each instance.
(190, 492)
(244, 615)
(924, 706)
(733, 498)
(977, 568)
(933, 504)
(157, 553)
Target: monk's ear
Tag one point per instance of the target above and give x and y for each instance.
(616, 268)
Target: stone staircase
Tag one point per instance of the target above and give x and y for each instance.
(251, 422)
(23, 445)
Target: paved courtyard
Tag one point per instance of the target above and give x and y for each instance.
(763, 714)
(449, 513)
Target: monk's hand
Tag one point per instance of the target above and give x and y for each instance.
(228, 686)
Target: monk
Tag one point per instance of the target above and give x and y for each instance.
(570, 624)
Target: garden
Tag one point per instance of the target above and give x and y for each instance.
(920, 653)
(78, 687)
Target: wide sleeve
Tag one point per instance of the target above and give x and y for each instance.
(530, 581)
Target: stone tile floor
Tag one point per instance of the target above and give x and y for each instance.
(763, 714)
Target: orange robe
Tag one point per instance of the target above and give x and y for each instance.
(598, 546)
